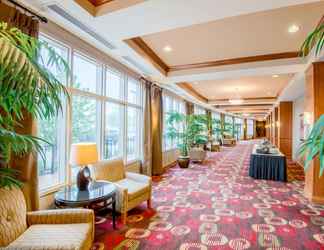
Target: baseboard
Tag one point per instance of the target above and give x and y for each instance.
(170, 165)
(314, 199)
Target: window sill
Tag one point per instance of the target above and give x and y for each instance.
(51, 190)
(169, 150)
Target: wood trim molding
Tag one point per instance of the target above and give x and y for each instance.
(144, 50)
(238, 60)
(97, 3)
(102, 7)
(274, 98)
(187, 87)
(139, 45)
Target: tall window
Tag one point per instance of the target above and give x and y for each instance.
(216, 125)
(51, 169)
(199, 110)
(250, 128)
(238, 128)
(228, 125)
(171, 104)
(106, 108)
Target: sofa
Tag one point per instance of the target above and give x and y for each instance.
(132, 188)
(64, 229)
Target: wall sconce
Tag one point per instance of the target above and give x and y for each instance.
(277, 124)
(308, 118)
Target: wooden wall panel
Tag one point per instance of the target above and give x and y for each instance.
(314, 108)
(285, 117)
(276, 112)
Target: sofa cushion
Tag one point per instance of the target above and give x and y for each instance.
(50, 237)
(135, 189)
(12, 215)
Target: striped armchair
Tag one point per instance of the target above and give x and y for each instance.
(64, 229)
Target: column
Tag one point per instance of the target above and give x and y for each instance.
(314, 108)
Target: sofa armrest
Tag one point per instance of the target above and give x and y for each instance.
(61, 216)
(139, 177)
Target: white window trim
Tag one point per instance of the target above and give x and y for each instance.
(102, 99)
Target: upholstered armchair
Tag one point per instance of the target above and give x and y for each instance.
(228, 140)
(64, 229)
(197, 154)
(132, 188)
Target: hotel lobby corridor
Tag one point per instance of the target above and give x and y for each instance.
(216, 205)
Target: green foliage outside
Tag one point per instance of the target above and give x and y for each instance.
(188, 130)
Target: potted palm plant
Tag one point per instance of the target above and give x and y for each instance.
(187, 131)
(27, 87)
(313, 145)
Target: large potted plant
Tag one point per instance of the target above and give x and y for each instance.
(27, 87)
(313, 145)
(187, 131)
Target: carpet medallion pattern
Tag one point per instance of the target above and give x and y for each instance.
(216, 205)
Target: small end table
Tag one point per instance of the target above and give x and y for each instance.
(98, 192)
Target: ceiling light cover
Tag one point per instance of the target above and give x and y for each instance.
(167, 48)
(293, 28)
(275, 76)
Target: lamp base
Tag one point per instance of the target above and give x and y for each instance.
(83, 178)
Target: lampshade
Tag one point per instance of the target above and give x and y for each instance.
(83, 154)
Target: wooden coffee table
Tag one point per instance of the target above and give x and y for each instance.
(99, 192)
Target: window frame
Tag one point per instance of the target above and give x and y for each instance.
(101, 100)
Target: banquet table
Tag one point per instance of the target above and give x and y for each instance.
(270, 166)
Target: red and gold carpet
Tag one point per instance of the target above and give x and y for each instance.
(216, 205)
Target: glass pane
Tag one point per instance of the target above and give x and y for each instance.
(44, 57)
(84, 119)
(133, 133)
(85, 73)
(134, 92)
(51, 169)
(114, 130)
(114, 85)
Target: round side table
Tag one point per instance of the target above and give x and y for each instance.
(98, 192)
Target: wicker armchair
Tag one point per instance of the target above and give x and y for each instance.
(64, 229)
(132, 188)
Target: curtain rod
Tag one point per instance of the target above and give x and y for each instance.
(41, 18)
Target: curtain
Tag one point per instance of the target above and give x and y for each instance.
(189, 108)
(209, 123)
(27, 166)
(153, 129)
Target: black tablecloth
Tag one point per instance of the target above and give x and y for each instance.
(268, 167)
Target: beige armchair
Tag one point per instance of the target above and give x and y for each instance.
(197, 154)
(132, 188)
(64, 229)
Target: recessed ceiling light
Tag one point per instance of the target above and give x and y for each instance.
(275, 76)
(293, 28)
(167, 48)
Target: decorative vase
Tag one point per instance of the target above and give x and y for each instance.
(183, 161)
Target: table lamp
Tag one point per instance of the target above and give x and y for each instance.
(81, 155)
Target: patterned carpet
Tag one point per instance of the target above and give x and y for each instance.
(215, 205)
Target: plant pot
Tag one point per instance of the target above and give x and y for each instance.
(183, 161)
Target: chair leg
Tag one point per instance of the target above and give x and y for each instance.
(149, 203)
(123, 217)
